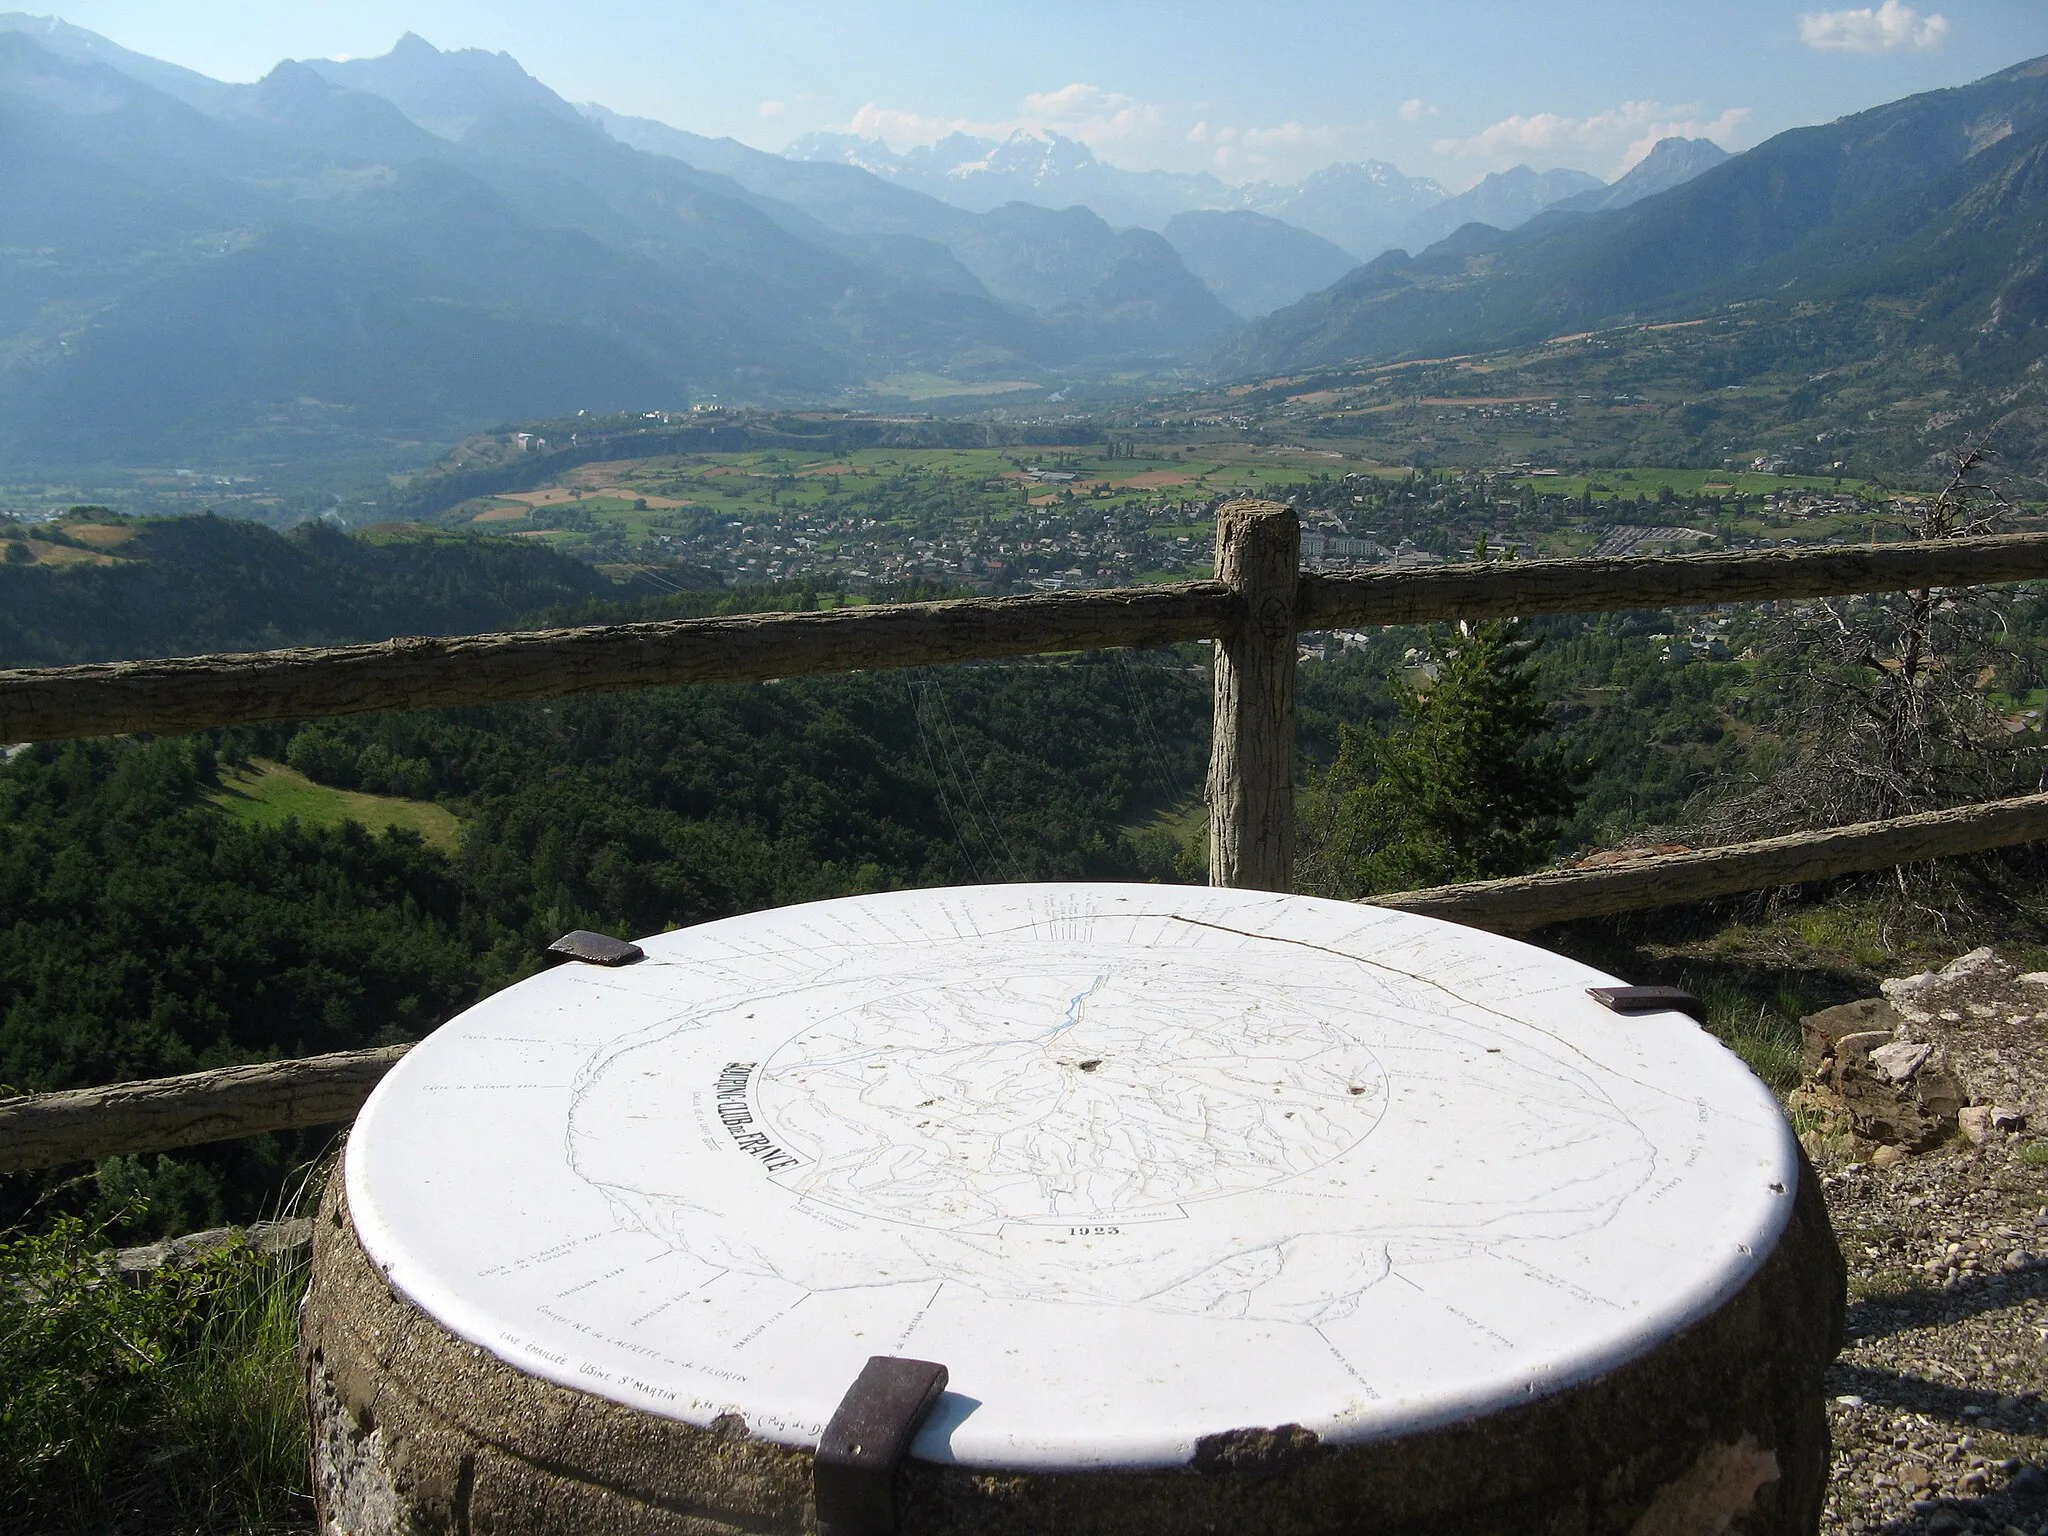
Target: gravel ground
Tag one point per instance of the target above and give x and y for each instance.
(1936, 1401)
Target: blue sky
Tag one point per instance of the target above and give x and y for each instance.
(1243, 90)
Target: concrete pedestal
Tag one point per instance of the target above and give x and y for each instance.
(1720, 1432)
(1225, 1211)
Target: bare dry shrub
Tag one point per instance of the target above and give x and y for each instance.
(1880, 702)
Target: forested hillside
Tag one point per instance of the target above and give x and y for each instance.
(97, 587)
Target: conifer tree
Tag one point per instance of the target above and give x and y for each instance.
(1471, 787)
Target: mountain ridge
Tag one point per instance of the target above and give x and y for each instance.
(304, 262)
(1670, 163)
(1565, 272)
(1361, 206)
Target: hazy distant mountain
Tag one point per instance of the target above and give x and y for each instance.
(1505, 200)
(846, 197)
(178, 287)
(1048, 170)
(1780, 208)
(301, 265)
(1063, 264)
(1670, 163)
(445, 93)
(294, 104)
(1070, 266)
(1100, 292)
(1361, 206)
(79, 46)
(1253, 263)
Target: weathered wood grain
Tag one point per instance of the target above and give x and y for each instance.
(192, 693)
(48, 1130)
(1602, 585)
(1251, 740)
(1528, 902)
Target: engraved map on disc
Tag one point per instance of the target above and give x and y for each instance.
(1137, 1163)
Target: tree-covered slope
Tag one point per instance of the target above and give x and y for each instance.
(178, 586)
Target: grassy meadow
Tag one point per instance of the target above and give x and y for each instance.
(268, 794)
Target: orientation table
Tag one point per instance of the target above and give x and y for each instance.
(1154, 1208)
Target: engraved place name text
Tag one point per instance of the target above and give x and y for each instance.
(738, 1119)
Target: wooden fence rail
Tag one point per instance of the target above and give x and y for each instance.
(1527, 902)
(1259, 602)
(193, 693)
(1596, 584)
(46, 1130)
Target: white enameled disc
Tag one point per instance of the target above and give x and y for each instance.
(1138, 1164)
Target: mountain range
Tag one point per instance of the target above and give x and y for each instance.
(1362, 207)
(304, 265)
(1823, 206)
(351, 255)
(357, 256)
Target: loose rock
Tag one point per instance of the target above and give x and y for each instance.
(1935, 1402)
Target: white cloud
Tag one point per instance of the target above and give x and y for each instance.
(1096, 117)
(772, 108)
(1627, 133)
(902, 130)
(1244, 149)
(1285, 134)
(1415, 109)
(1106, 121)
(1887, 28)
(1092, 115)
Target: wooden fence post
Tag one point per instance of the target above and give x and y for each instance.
(1251, 750)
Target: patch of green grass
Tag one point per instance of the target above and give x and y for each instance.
(267, 793)
(1756, 981)
(1173, 841)
(169, 1403)
(2035, 1154)
(1764, 1033)
(1855, 932)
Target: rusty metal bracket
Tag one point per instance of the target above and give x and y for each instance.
(596, 948)
(853, 1479)
(1648, 1000)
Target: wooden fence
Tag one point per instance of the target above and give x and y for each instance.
(1253, 610)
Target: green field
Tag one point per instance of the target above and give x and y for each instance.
(636, 499)
(267, 793)
(1648, 480)
(1129, 510)
(635, 502)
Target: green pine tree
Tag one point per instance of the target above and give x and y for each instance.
(1471, 787)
